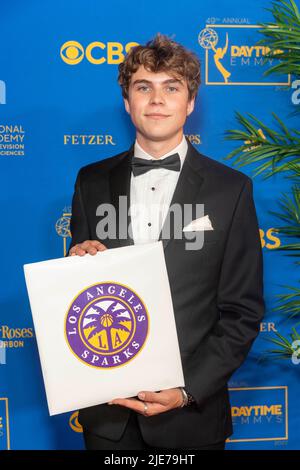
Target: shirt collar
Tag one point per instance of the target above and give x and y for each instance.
(181, 149)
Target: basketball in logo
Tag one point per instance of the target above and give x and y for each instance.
(106, 325)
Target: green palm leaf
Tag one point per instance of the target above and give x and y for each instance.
(277, 151)
(283, 37)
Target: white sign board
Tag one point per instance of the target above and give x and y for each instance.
(105, 326)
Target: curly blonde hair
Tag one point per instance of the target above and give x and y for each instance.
(161, 54)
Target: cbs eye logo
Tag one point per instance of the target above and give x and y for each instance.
(72, 52)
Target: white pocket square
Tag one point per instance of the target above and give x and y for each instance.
(203, 223)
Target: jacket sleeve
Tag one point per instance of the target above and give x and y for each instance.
(79, 223)
(240, 303)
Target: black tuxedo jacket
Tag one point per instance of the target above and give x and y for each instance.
(217, 293)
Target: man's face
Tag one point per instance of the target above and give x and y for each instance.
(158, 104)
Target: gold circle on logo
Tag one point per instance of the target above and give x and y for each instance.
(123, 345)
(72, 52)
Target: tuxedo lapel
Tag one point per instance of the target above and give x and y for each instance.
(186, 191)
(120, 177)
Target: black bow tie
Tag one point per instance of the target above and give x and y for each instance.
(141, 165)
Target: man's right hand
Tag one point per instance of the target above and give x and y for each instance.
(88, 246)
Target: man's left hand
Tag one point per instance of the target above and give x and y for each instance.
(152, 403)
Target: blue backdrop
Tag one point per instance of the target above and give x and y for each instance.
(60, 109)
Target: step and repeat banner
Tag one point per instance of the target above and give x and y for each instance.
(60, 109)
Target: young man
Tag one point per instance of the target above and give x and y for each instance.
(217, 289)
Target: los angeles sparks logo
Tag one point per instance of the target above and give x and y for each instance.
(106, 325)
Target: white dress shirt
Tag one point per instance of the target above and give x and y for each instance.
(151, 194)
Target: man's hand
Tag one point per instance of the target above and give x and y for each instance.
(152, 403)
(88, 246)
